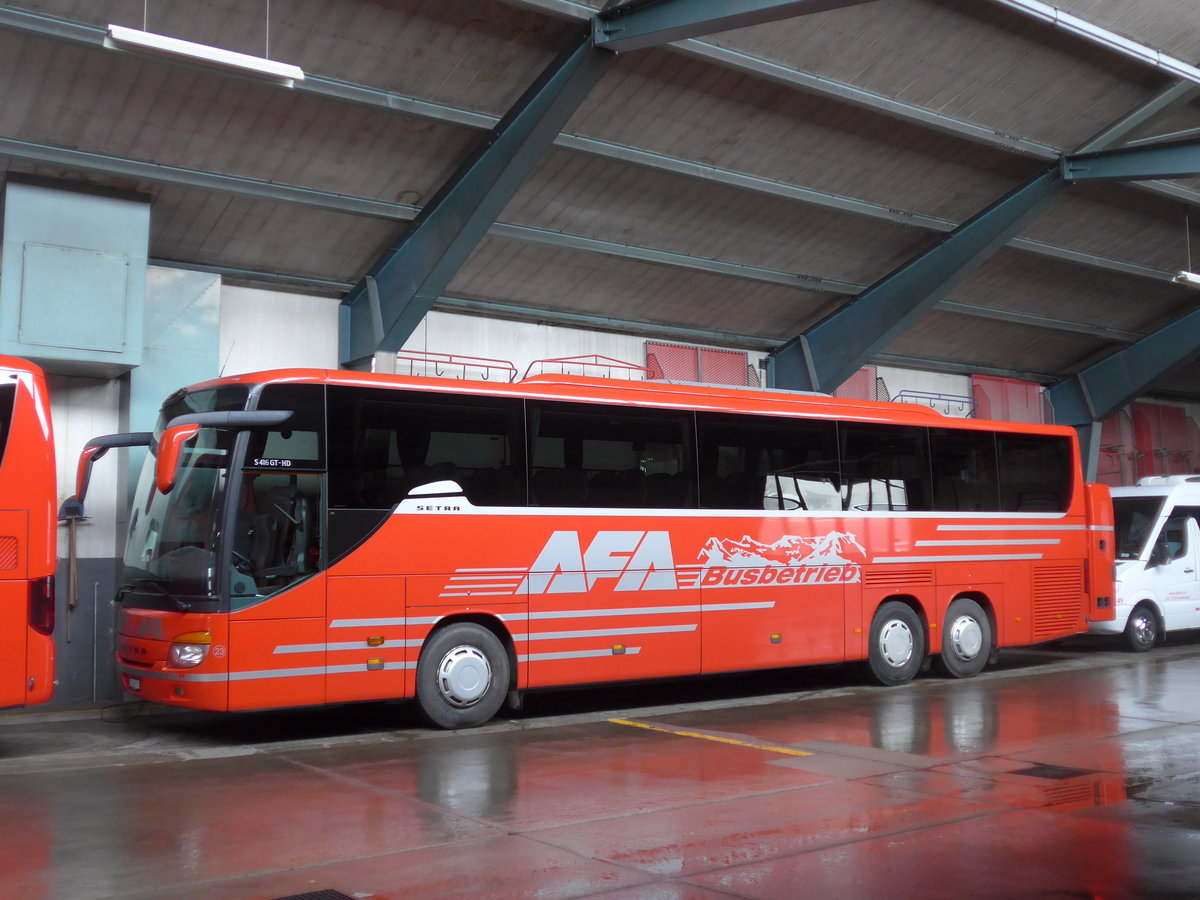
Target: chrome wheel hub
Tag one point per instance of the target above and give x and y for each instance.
(464, 676)
(966, 637)
(895, 643)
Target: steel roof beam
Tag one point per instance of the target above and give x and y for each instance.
(1105, 387)
(390, 301)
(1002, 315)
(174, 175)
(561, 317)
(638, 24)
(40, 25)
(829, 352)
(1173, 97)
(364, 206)
(1175, 159)
(937, 365)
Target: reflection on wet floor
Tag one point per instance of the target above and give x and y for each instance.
(1063, 780)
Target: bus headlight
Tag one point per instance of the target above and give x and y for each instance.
(188, 650)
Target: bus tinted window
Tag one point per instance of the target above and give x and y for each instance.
(299, 443)
(607, 456)
(8, 393)
(964, 470)
(220, 399)
(384, 443)
(1035, 473)
(884, 467)
(760, 463)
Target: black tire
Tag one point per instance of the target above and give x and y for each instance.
(897, 646)
(462, 676)
(1141, 631)
(966, 640)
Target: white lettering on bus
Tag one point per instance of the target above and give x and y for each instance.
(638, 560)
(644, 561)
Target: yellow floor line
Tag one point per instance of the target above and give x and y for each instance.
(752, 745)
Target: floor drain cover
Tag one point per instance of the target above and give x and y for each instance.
(318, 895)
(1058, 773)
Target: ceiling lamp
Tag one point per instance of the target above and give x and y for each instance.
(122, 38)
(1187, 276)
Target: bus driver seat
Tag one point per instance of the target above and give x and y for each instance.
(279, 534)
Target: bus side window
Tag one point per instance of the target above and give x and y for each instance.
(1034, 472)
(589, 455)
(885, 467)
(774, 464)
(965, 478)
(383, 443)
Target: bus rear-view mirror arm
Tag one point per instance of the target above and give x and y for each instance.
(182, 429)
(72, 507)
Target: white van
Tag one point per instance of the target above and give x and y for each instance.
(1158, 559)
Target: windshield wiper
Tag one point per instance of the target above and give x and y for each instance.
(157, 585)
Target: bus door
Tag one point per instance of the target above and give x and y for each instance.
(277, 602)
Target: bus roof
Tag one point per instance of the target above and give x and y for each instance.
(722, 398)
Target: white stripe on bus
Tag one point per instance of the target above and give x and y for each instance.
(345, 645)
(1012, 528)
(999, 557)
(604, 632)
(1016, 542)
(578, 654)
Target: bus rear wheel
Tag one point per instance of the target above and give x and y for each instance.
(897, 646)
(462, 676)
(1141, 631)
(966, 639)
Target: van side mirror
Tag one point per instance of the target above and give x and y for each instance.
(1158, 555)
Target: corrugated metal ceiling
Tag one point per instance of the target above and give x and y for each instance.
(745, 184)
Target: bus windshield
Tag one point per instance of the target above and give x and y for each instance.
(1135, 518)
(170, 551)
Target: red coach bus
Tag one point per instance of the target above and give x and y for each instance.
(27, 535)
(306, 537)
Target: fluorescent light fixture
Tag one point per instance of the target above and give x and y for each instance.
(122, 38)
(1191, 279)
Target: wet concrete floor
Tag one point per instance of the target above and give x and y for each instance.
(1070, 772)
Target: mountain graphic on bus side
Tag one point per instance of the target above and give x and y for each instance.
(838, 548)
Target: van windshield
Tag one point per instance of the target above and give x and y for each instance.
(1135, 518)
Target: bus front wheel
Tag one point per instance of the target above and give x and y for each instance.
(462, 676)
(966, 639)
(897, 646)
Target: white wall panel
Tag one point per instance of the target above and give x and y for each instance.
(81, 409)
(273, 329)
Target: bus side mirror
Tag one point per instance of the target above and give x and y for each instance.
(83, 472)
(94, 449)
(170, 447)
